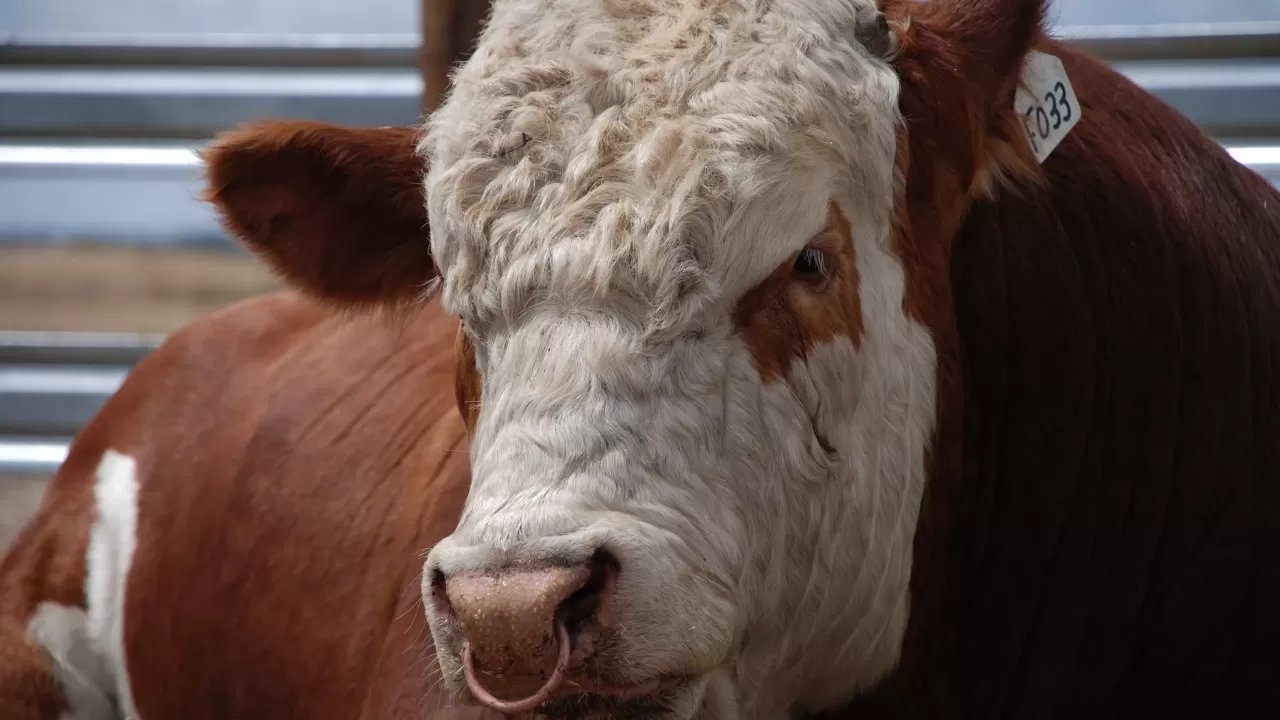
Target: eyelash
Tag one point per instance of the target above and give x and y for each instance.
(810, 263)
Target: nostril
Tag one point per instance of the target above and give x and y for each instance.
(590, 607)
(440, 595)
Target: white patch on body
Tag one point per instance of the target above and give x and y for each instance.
(87, 646)
(111, 547)
(678, 153)
(79, 666)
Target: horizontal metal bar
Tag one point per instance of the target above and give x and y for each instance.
(1262, 158)
(51, 385)
(197, 102)
(1111, 42)
(64, 197)
(32, 456)
(75, 348)
(60, 381)
(201, 16)
(53, 400)
(212, 49)
(1226, 97)
(84, 156)
(205, 82)
(1175, 41)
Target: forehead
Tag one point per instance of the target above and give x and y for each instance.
(667, 153)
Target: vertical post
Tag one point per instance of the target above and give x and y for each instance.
(449, 32)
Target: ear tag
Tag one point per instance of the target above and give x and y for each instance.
(1046, 102)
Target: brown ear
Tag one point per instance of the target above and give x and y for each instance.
(960, 62)
(984, 41)
(338, 212)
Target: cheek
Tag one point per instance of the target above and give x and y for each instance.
(828, 383)
(781, 489)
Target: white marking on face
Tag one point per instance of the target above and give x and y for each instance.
(843, 568)
(79, 665)
(678, 154)
(111, 547)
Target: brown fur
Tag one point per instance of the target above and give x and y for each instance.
(338, 427)
(294, 467)
(782, 317)
(1096, 538)
(338, 212)
(27, 687)
(959, 68)
(1093, 537)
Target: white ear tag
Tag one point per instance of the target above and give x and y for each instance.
(1046, 103)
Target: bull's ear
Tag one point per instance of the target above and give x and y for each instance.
(337, 212)
(960, 62)
(983, 41)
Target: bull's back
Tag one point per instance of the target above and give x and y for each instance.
(248, 513)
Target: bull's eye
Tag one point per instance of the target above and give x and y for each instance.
(811, 264)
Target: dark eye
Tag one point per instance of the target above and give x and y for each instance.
(811, 264)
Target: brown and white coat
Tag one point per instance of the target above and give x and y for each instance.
(790, 383)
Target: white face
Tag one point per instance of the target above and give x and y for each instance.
(612, 183)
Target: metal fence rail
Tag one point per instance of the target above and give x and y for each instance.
(51, 384)
(94, 127)
(98, 135)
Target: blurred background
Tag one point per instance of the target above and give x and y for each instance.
(105, 247)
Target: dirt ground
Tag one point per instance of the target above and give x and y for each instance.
(96, 289)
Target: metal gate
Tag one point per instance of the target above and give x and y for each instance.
(103, 105)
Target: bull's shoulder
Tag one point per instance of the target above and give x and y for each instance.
(290, 464)
(267, 360)
(47, 561)
(279, 395)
